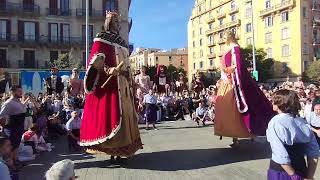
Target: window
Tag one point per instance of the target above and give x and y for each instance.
(268, 37)
(193, 33)
(3, 58)
(90, 33)
(201, 64)
(200, 8)
(220, 22)
(234, 31)
(3, 29)
(233, 5)
(285, 16)
(268, 4)
(29, 31)
(210, 26)
(54, 56)
(248, 27)
(248, 12)
(305, 30)
(268, 21)
(211, 50)
(53, 32)
(306, 65)
(221, 34)
(285, 34)
(170, 60)
(194, 44)
(194, 65)
(157, 59)
(304, 12)
(211, 40)
(269, 53)
(65, 7)
(200, 19)
(285, 50)
(305, 48)
(110, 5)
(84, 59)
(249, 41)
(29, 59)
(211, 62)
(200, 42)
(200, 31)
(65, 32)
(219, 11)
(201, 53)
(233, 17)
(194, 55)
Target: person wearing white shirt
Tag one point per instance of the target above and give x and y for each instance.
(73, 128)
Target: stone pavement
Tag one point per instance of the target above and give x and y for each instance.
(178, 150)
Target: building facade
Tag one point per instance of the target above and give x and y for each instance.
(152, 57)
(34, 32)
(286, 29)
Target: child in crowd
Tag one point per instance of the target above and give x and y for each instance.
(150, 102)
(73, 129)
(291, 140)
(201, 111)
(33, 137)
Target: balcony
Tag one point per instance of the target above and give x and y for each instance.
(316, 21)
(279, 7)
(11, 39)
(227, 25)
(59, 12)
(210, 20)
(93, 13)
(19, 8)
(4, 63)
(212, 56)
(33, 64)
(234, 10)
(316, 6)
(221, 15)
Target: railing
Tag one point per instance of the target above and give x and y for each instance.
(278, 7)
(316, 42)
(316, 6)
(234, 10)
(20, 8)
(7, 38)
(227, 25)
(221, 15)
(92, 13)
(4, 63)
(210, 19)
(33, 64)
(211, 44)
(212, 55)
(59, 12)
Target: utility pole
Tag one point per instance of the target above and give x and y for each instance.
(87, 32)
(255, 72)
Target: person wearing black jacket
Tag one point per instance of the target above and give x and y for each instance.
(54, 82)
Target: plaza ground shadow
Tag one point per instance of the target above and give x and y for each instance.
(176, 160)
(190, 159)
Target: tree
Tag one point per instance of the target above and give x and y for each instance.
(264, 66)
(67, 61)
(313, 71)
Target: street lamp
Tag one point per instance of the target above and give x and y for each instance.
(253, 38)
(87, 32)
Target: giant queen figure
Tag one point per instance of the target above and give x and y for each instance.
(242, 110)
(110, 122)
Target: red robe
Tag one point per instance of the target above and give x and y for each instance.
(105, 126)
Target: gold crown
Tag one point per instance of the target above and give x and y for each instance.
(111, 14)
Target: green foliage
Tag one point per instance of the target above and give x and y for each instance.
(264, 66)
(66, 61)
(313, 71)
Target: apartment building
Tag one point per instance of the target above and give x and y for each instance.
(286, 29)
(152, 57)
(34, 32)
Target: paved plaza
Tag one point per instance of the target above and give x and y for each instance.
(178, 150)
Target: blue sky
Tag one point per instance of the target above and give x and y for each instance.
(160, 24)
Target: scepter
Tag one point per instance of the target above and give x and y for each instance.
(118, 69)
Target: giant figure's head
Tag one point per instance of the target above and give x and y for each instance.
(112, 23)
